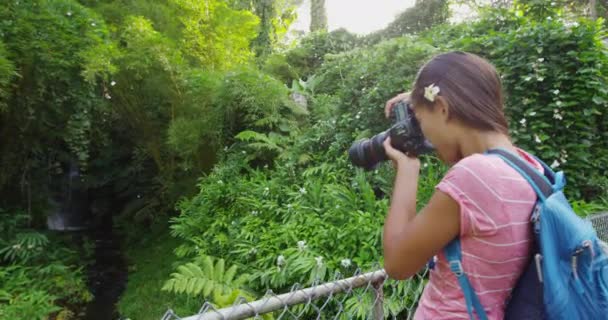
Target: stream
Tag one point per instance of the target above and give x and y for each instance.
(107, 272)
(107, 276)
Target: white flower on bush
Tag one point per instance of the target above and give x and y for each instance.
(302, 190)
(558, 103)
(17, 246)
(527, 78)
(345, 263)
(319, 261)
(108, 96)
(555, 164)
(93, 24)
(113, 83)
(556, 91)
(564, 158)
(557, 116)
(523, 122)
(281, 261)
(253, 251)
(69, 13)
(533, 113)
(302, 245)
(289, 206)
(541, 59)
(537, 139)
(254, 212)
(220, 182)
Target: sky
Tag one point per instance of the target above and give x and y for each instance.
(357, 16)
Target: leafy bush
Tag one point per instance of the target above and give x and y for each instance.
(301, 220)
(312, 49)
(7, 72)
(209, 279)
(364, 78)
(38, 272)
(554, 73)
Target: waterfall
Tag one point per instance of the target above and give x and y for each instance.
(69, 203)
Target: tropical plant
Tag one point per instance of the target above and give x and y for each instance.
(209, 278)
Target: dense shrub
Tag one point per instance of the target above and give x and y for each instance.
(312, 49)
(364, 78)
(39, 273)
(7, 72)
(555, 75)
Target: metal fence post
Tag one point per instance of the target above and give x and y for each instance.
(378, 312)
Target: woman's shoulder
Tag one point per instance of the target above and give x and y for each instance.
(477, 163)
(493, 164)
(487, 170)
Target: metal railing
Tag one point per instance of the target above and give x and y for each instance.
(359, 297)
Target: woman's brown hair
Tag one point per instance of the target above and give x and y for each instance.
(471, 87)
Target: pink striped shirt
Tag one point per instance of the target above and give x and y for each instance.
(495, 208)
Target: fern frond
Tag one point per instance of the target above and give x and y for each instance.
(229, 276)
(219, 270)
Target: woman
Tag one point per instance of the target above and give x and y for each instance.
(457, 98)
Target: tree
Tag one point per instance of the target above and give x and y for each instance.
(318, 16)
(423, 15)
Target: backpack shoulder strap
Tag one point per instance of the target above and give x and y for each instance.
(539, 182)
(454, 257)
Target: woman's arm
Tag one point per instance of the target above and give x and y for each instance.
(411, 239)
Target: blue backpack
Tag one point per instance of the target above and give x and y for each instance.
(567, 277)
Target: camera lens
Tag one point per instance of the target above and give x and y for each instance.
(368, 153)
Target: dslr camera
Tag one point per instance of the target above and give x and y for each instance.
(405, 134)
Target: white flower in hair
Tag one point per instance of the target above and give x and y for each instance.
(430, 92)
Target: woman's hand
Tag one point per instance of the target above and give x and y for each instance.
(401, 161)
(390, 103)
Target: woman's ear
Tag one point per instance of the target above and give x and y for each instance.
(442, 107)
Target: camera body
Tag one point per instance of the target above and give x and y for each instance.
(405, 135)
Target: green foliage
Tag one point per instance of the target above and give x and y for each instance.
(554, 72)
(214, 34)
(209, 280)
(299, 220)
(312, 50)
(7, 72)
(24, 247)
(252, 100)
(584, 209)
(37, 277)
(364, 78)
(422, 16)
(277, 66)
(52, 115)
(151, 261)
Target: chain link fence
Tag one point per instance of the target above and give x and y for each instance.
(364, 296)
